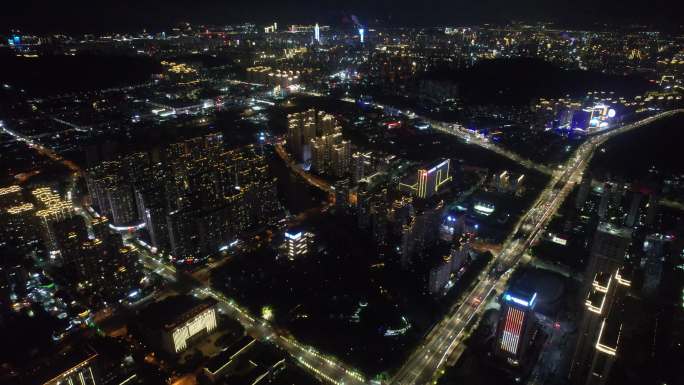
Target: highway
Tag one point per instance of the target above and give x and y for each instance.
(479, 140)
(324, 367)
(40, 148)
(444, 340)
(308, 177)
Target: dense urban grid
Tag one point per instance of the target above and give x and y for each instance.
(346, 204)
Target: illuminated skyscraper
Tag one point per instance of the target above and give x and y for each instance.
(317, 33)
(53, 210)
(605, 285)
(201, 197)
(517, 326)
(600, 328)
(362, 33)
(429, 181)
(608, 251)
(300, 130)
(330, 154)
(151, 203)
(110, 187)
(297, 243)
(122, 204)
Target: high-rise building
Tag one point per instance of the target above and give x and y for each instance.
(341, 195)
(10, 196)
(183, 237)
(652, 209)
(363, 207)
(111, 188)
(300, 130)
(608, 250)
(330, 154)
(53, 209)
(634, 210)
(362, 164)
(600, 328)
(340, 159)
(72, 365)
(200, 198)
(445, 260)
(297, 243)
(17, 219)
(420, 232)
(605, 284)
(96, 265)
(326, 124)
(439, 276)
(604, 203)
(517, 326)
(311, 136)
(584, 190)
(656, 248)
(429, 181)
(151, 205)
(122, 204)
(379, 220)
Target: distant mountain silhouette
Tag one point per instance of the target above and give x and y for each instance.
(518, 81)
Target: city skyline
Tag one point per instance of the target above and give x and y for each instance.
(341, 200)
(85, 17)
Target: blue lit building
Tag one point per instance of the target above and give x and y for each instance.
(517, 326)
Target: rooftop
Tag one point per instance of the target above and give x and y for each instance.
(174, 311)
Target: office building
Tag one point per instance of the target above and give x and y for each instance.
(606, 283)
(121, 200)
(429, 181)
(175, 323)
(600, 329)
(517, 326)
(69, 365)
(608, 251)
(298, 243)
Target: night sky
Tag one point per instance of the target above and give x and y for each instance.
(126, 15)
